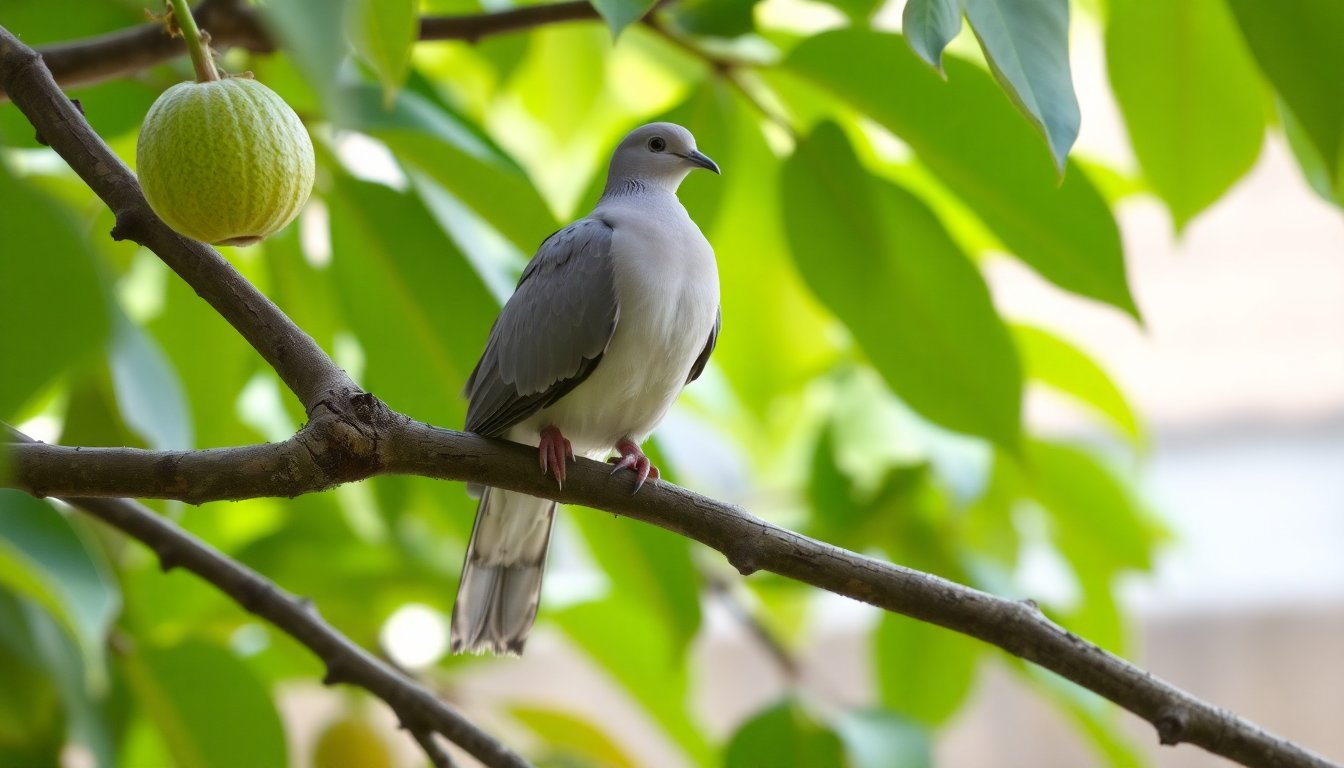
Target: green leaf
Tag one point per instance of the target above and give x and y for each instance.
(618, 634)
(652, 568)
(620, 14)
(31, 722)
(1055, 362)
(311, 33)
(882, 262)
(1318, 176)
(923, 671)
(43, 557)
(459, 157)
(382, 33)
(715, 18)
(783, 736)
(1190, 96)
(149, 394)
(967, 133)
(191, 690)
(858, 11)
(416, 305)
(1027, 45)
(877, 738)
(1297, 46)
(1097, 519)
(567, 736)
(53, 310)
(929, 25)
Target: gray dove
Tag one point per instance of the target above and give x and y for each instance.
(614, 315)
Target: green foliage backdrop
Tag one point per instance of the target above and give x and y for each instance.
(864, 376)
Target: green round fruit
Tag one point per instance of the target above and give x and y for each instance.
(225, 162)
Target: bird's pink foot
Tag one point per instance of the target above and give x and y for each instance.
(552, 453)
(633, 459)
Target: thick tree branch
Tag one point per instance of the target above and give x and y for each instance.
(356, 436)
(236, 25)
(420, 711)
(402, 446)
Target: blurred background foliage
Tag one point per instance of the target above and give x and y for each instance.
(865, 389)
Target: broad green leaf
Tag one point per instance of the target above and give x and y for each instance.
(882, 262)
(968, 134)
(1190, 96)
(190, 690)
(419, 310)
(568, 737)
(43, 557)
(212, 361)
(1055, 362)
(53, 310)
(923, 672)
(620, 14)
(1096, 517)
(32, 731)
(878, 738)
(784, 736)
(1027, 45)
(311, 33)
(382, 33)
(1297, 46)
(562, 78)
(858, 11)
(149, 394)
(715, 18)
(1318, 176)
(459, 157)
(636, 649)
(929, 25)
(652, 568)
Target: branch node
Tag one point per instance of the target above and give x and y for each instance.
(337, 674)
(130, 225)
(169, 557)
(1171, 725)
(742, 555)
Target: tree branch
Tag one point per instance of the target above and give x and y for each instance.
(419, 710)
(402, 446)
(356, 436)
(236, 25)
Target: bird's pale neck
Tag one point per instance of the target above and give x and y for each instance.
(623, 184)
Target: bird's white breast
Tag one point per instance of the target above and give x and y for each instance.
(667, 287)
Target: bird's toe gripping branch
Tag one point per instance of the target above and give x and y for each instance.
(552, 454)
(633, 459)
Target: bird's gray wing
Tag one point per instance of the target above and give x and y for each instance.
(698, 367)
(551, 333)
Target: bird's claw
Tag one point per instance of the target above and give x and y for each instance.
(633, 459)
(552, 454)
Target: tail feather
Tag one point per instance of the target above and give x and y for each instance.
(501, 578)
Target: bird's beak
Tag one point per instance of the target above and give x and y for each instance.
(701, 160)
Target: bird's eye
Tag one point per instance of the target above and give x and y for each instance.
(657, 144)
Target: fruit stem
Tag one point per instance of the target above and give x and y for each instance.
(200, 54)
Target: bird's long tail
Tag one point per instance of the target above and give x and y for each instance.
(501, 578)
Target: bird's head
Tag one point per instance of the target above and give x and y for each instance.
(657, 153)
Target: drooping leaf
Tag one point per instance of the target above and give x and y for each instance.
(312, 33)
(636, 649)
(929, 25)
(877, 738)
(1189, 93)
(653, 568)
(53, 310)
(967, 133)
(44, 558)
(32, 731)
(1027, 44)
(620, 14)
(419, 311)
(149, 393)
(715, 18)
(1297, 47)
(382, 32)
(882, 262)
(1055, 362)
(923, 672)
(459, 157)
(191, 689)
(568, 737)
(1317, 175)
(784, 736)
